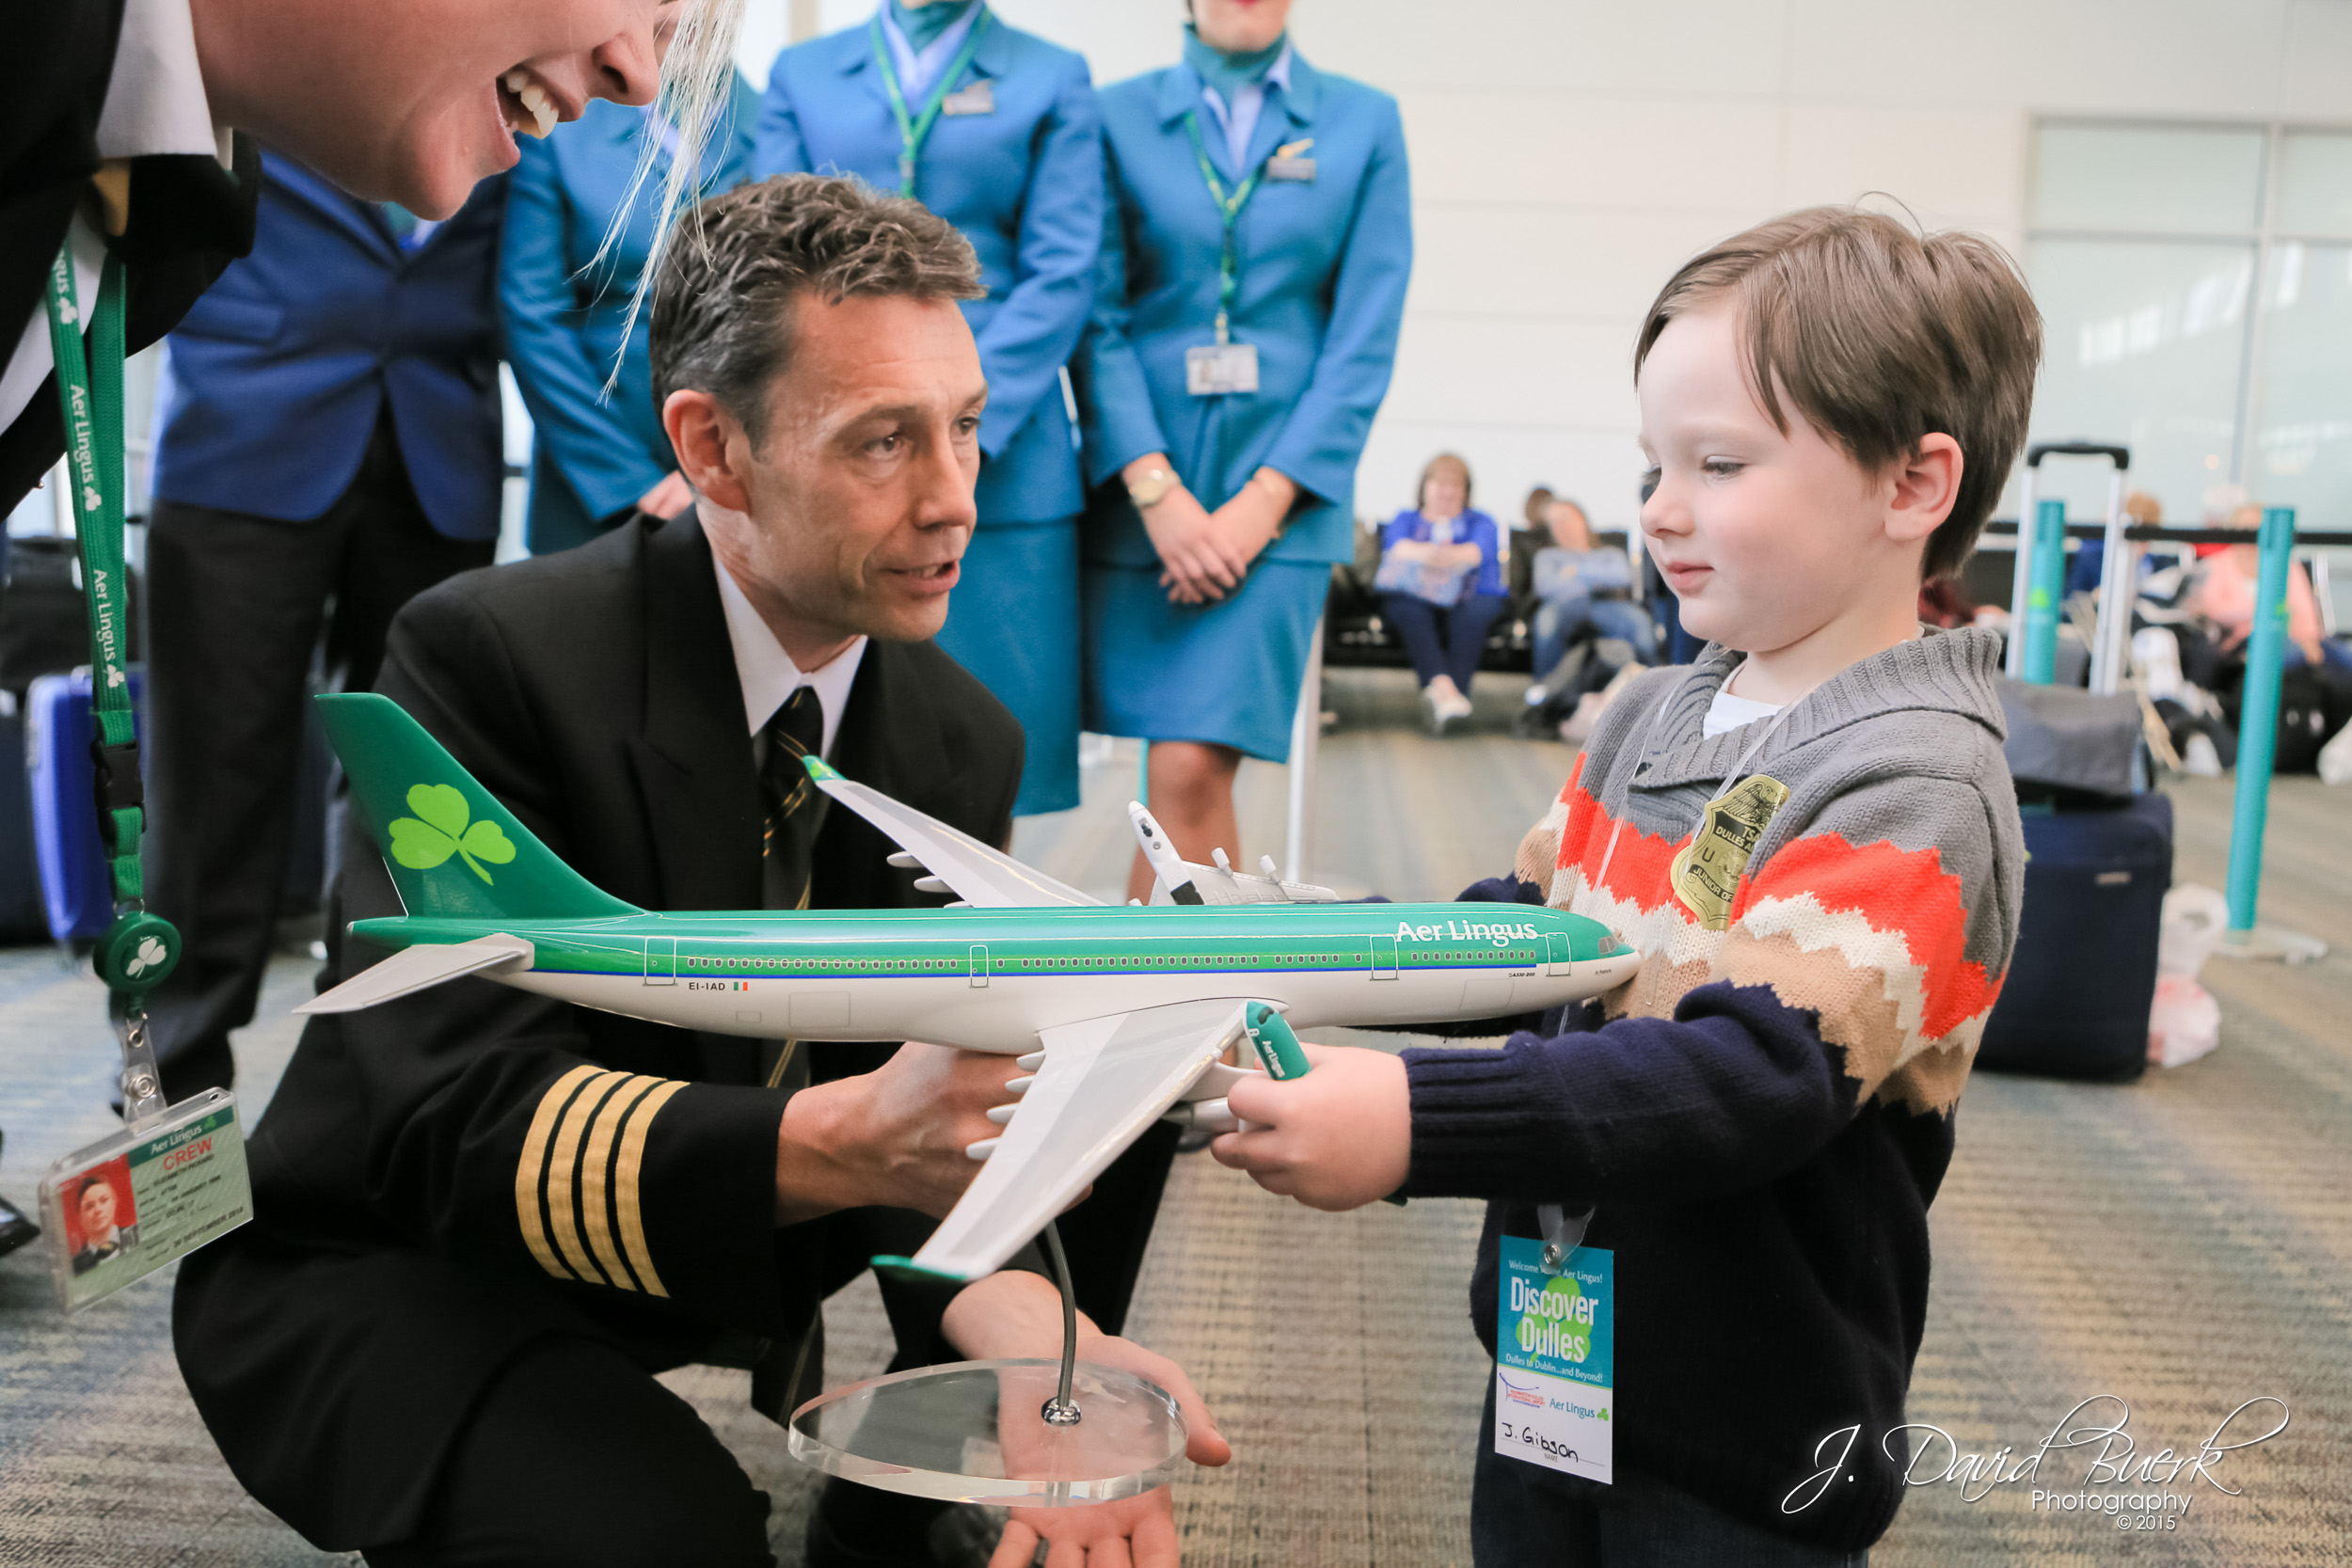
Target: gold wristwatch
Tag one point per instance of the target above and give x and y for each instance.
(1152, 489)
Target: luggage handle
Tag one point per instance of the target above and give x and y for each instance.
(2118, 585)
(2119, 456)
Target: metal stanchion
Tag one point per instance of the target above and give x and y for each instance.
(2041, 562)
(2257, 747)
(1306, 741)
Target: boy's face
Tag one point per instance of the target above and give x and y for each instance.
(1767, 537)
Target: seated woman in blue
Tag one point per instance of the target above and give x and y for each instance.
(595, 459)
(1253, 276)
(1440, 585)
(1583, 586)
(997, 131)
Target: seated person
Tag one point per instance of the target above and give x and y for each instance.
(2222, 596)
(483, 1219)
(1583, 586)
(1440, 585)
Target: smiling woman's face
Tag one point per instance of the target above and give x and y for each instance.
(416, 101)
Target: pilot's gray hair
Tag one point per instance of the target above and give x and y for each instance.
(723, 301)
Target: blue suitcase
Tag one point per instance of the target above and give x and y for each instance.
(57, 732)
(2083, 978)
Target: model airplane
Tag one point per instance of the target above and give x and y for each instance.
(1119, 1014)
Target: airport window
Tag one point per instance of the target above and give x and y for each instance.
(2196, 281)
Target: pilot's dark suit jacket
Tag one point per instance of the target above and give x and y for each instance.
(423, 1202)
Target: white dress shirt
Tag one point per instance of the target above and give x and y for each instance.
(768, 676)
(155, 104)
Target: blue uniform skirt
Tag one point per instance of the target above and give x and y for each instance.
(1227, 673)
(1013, 621)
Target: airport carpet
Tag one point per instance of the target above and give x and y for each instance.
(2183, 1244)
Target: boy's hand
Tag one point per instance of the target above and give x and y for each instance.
(1337, 1138)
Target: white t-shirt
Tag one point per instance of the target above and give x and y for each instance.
(1727, 712)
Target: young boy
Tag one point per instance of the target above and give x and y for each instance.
(1811, 837)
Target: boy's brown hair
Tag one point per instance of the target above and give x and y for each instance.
(1879, 337)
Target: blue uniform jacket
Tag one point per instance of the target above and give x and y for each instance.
(1024, 183)
(1323, 268)
(1470, 527)
(279, 371)
(563, 324)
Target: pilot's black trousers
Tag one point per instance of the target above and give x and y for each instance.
(575, 1456)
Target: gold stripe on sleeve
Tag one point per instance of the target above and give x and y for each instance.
(564, 1156)
(592, 1207)
(533, 1164)
(625, 1172)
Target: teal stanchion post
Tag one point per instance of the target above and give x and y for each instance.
(1143, 773)
(2045, 564)
(2257, 747)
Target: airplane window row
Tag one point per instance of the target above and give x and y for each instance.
(894, 965)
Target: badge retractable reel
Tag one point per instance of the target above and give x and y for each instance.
(174, 1178)
(1024, 1432)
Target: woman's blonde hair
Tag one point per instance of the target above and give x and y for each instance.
(1448, 462)
(697, 73)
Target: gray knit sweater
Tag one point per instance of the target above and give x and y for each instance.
(1763, 1113)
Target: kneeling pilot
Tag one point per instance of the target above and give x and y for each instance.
(485, 1219)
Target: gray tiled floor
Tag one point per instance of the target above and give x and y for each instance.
(2185, 1242)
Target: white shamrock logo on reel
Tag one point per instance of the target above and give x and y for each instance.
(150, 953)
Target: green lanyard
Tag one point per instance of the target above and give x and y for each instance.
(139, 949)
(912, 134)
(1229, 211)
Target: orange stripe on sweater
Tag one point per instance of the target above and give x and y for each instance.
(1903, 891)
(1637, 868)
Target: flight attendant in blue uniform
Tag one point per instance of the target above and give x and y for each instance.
(996, 131)
(1252, 279)
(595, 459)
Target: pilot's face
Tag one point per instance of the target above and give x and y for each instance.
(97, 1209)
(861, 491)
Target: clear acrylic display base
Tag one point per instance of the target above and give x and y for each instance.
(975, 1431)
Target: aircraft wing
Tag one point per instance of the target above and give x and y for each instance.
(414, 968)
(984, 877)
(1102, 1083)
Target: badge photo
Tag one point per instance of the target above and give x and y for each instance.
(120, 1209)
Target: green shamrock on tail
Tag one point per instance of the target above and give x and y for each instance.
(439, 831)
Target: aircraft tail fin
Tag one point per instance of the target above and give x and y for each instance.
(451, 847)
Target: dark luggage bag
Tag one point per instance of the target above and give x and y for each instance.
(2083, 978)
(21, 918)
(74, 878)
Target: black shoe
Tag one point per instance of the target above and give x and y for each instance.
(15, 1230)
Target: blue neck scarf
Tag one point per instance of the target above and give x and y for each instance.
(922, 24)
(1227, 73)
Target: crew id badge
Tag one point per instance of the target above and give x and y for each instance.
(1213, 370)
(1552, 1379)
(126, 1205)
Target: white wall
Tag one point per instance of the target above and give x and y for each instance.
(1568, 154)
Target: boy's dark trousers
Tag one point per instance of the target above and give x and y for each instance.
(1525, 1515)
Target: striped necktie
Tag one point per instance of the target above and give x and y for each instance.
(795, 807)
